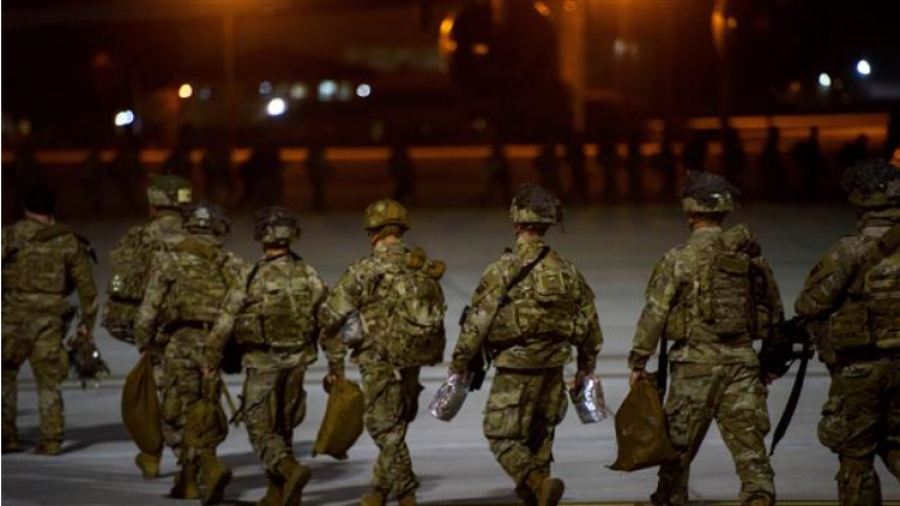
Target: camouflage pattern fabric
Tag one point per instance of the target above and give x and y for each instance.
(507, 337)
(38, 277)
(861, 418)
(530, 338)
(278, 327)
(523, 410)
(388, 410)
(714, 376)
(735, 398)
(274, 403)
(190, 345)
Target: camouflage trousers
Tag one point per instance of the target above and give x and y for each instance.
(734, 396)
(861, 419)
(37, 338)
(170, 432)
(391, 397)
(183, 386)
(523, 410)
(274, 402)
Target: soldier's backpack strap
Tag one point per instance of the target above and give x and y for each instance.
(255, 270)
(522, 274)
(886, 246)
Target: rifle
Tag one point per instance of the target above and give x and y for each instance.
(792, 343)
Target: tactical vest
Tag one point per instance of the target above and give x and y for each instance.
(37, 266)
(544, 304)
(870, 315)
(721, 298)
(406, 314)
(279, 311)
(200, 284)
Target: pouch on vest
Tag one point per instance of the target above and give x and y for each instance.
(726, 301)
(882, 292)
(848, 327)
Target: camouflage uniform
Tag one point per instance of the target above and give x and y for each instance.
(391, 393)
(131, 257)
(192, 319)
(713, 375)
(529, 336)
(39, 273)
(861, 417)
(278, 330)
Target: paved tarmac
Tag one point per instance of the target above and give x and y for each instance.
(614, 247)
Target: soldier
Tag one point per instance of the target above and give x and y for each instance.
(192, 295)
(396, 293)
(529, 309)
(277, 329)
(130, 259)
(43, 262)
(712, 296)
(852, 296)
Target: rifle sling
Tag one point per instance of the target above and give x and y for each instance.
(793, 399)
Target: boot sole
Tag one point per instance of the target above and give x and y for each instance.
(294, 496)
(555, 495)
(215, 494)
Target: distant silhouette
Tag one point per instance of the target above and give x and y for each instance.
(634, 166)
(608, 160)
(218, 179)
(576, 160)
(402, 170)
(734, 159)
(127, 173)
(695, 151)
(93, 181)
(667, 164)
(547, 166)
(808, 155)
(772, 166)
(261, 175)
(853, 152)
(496, 169)
(319, 169)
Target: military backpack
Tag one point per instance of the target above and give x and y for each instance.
(413, 333)
(33, 265)
(199, 286)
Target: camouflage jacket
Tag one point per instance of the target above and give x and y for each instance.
(165, 228)
(485, 317)
(301, 285)
(355, 291)
(40, 275)
(169, 265)
(826, 285)
(674, 280)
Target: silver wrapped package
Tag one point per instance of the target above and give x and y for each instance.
(450, 397)
(589, 401)
(351, 332)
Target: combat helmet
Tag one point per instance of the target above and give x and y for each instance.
(169, 191)
(705, 192)
(872, 183)
(534, 205)
(386, 212)
(275, 226)
(206, 217)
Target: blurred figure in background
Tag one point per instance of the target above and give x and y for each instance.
(667, 164)
(218, 179)
(261, 175)
(496, 169)
(808, 155)
(771, 165)
(93, 180)
(547, 166)
(402, 170)
(608, 160)
(734, 159)
(853, 152)
(695, 151)
(128, 175)
(634, 166)
(576, 160)
(319, 169)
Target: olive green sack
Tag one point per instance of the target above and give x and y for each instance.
(641, 433)
(206, 424)
(140, 407)
(343, 421)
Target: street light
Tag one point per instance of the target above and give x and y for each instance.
(185, 91)
(124, 118)
(276, 107)
(824, 80)
(863, 68)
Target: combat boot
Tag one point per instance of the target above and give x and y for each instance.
(148, 464)
(49, 448)
(408, 499)
(295, 478)
(374, 498)
(273, 495)
(526, 495)
(548, 490)
(215, 478)
(759, 500)
(185, 486)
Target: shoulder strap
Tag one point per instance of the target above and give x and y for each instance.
(253, 272)
(886, 246)
(522, 274)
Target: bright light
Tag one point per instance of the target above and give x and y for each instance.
(542, 9)
(276, 107)
(265, 88)
(481, 49)
(124, 118)
(327, 90)
(185, 91)
(824, 80)
(363, 90)
(863, 68)
(299, 91)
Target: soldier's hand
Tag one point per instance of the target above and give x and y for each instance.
(210, 371)
(82, 330)
(580, 376)
(770, 378)
(636, 375)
